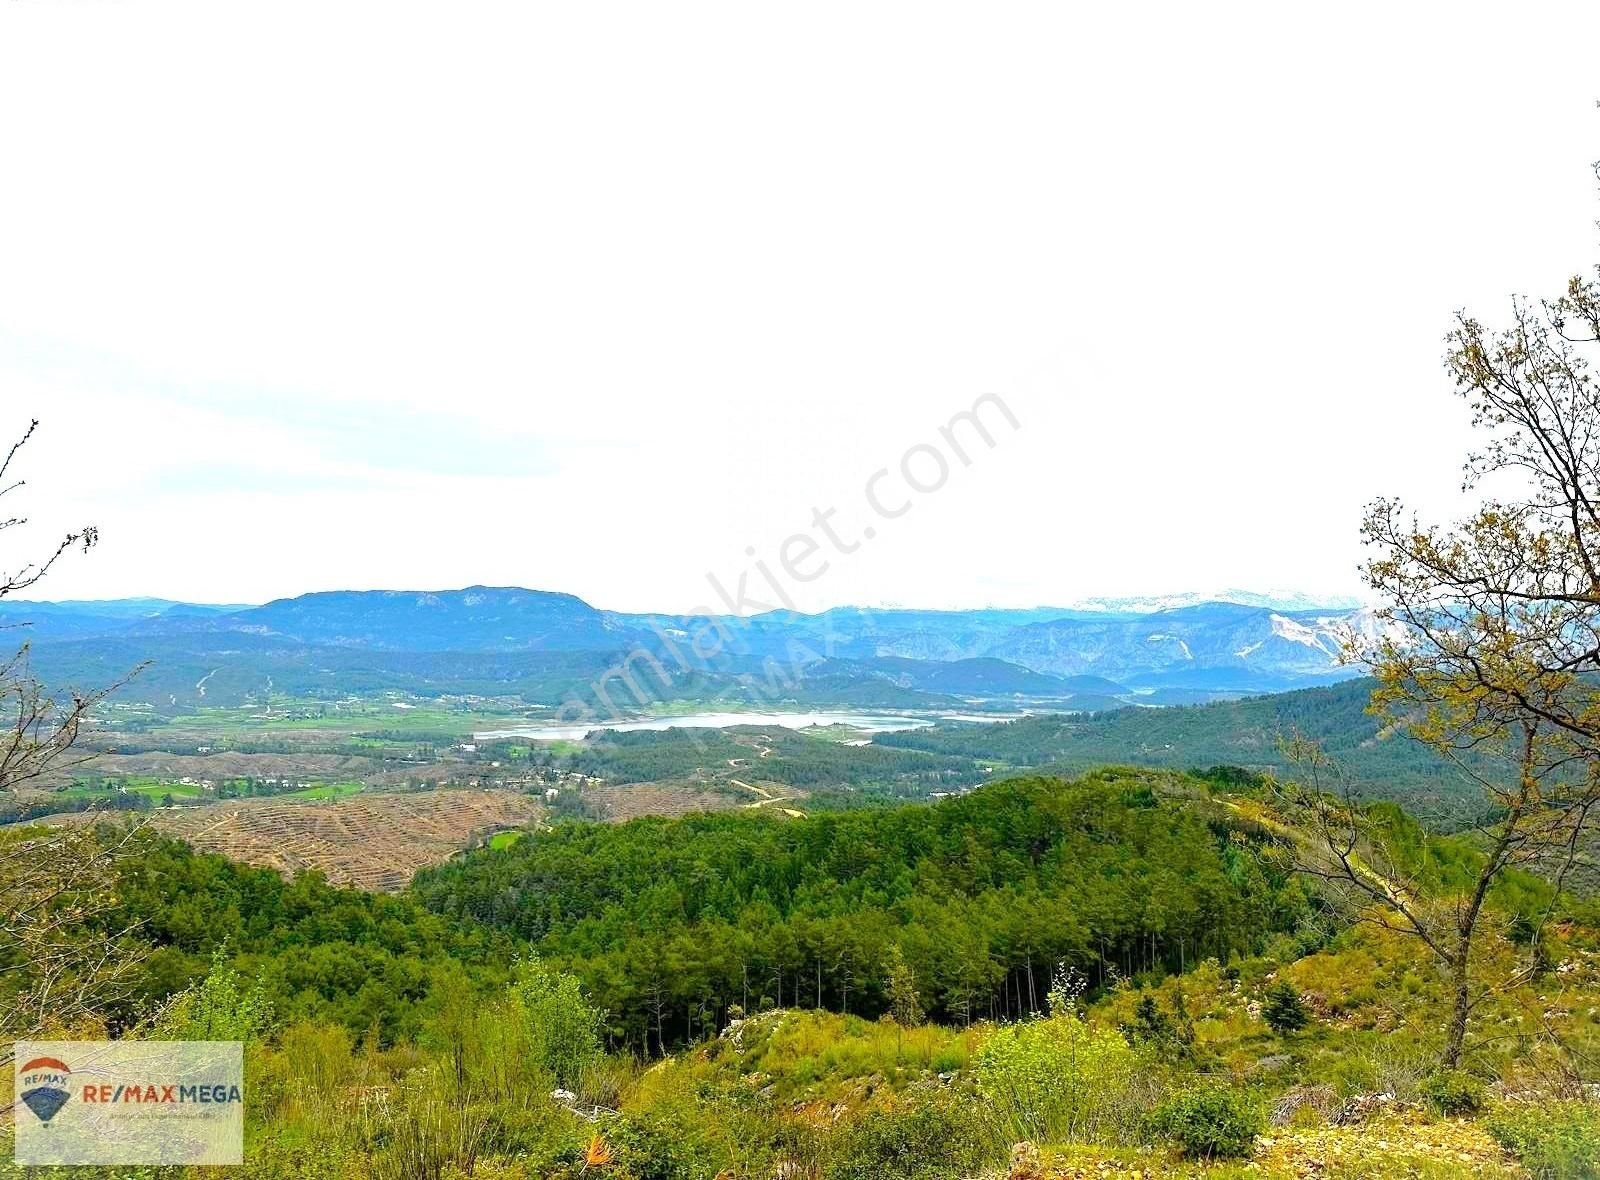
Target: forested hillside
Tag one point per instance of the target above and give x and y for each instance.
(673, 922)
(361, 960)
(774, 754)
(1249, 733)
(1125, 966)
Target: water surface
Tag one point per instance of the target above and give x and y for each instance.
(864, 722)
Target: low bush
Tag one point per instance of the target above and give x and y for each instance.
(1060, 1079)
(930, 1134)
(657, 1146)
(1452, 1094)
(1554, 1140)
(1211, 1122)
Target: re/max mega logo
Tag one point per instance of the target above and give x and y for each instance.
(109, 1095)
(129, 1102)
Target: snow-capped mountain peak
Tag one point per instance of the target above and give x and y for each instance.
(1294, 601)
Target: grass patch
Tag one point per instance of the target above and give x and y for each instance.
(325, 791)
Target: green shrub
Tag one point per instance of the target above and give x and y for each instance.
(221, 1007)
(563, 1029)
(1059, 1079)
(1356, 999)
(1211, 1122)
(1166, 1036)
(1554, 1140)
(659, 1146)
(1283, 1010)
(1452, 1093)
(931, 1134)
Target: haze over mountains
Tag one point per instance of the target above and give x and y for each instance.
(546, 646)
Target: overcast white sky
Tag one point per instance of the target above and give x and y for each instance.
(593, 298)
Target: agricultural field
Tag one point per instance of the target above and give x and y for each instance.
(150, 787)
(367, 728)
(320, 751)
(326, 791)
(367, 792)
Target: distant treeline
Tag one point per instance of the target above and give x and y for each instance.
(15, 810)
(794, 759)
(1247, 733)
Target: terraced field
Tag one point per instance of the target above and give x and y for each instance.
(375, 840)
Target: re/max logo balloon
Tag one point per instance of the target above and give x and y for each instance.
(44, 1086)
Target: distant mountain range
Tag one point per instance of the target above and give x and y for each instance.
(545, 646)
(1281, 600)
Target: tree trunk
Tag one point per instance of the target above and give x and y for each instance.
(1456, 1032)
(1460, 962)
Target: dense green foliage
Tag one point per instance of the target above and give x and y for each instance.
(361, 960)
(671, 922)
(1283, 1010)
(563, 1030)
(1452, 1092)
(1211, 1122)
(1058, 1078)
(931, 1136)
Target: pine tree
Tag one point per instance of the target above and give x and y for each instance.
(1283, 1010)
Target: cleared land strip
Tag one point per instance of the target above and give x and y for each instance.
(372, 841)
(767, 798)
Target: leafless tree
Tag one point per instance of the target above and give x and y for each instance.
(58, 962)
(39, 731)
